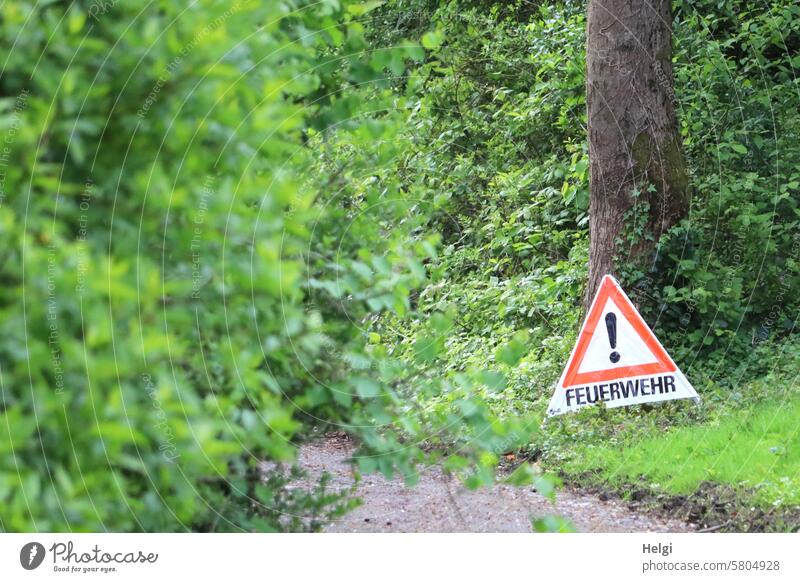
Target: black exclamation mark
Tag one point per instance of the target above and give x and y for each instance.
(611, 328)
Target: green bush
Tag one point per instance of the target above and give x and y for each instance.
(503, 123)
(229, 225)
(202, 223)
(166, 245)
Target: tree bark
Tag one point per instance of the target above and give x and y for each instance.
(637, 174)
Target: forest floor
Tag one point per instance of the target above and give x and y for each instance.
(440, 504)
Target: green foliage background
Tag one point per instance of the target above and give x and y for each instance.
(230, 226)
(504, 105)
(165, 252)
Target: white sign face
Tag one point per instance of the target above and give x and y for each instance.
(617, 359)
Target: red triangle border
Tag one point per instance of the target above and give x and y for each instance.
(609, 289)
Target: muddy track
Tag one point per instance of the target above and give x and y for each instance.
(440, 504)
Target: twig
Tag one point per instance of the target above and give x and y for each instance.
(714, 528)
(453, 502)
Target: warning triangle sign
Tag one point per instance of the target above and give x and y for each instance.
(617, 360)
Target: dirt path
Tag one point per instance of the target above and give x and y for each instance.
(437, 504)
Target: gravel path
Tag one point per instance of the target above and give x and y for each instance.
(439, 504)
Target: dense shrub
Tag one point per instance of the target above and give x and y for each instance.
(228, 225)
(202, 220)
(503, 107)
(166, 247)
(122, 390)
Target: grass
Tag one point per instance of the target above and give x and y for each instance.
(755, 450)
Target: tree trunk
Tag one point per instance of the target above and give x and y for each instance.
(637, 176)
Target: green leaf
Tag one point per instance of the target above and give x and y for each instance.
(494, 381)
(521, 476)
(366, 387)
(427, 348)
(512, 352)
(432, 39)
(553, 524)
(364, 7)
(545, 485)
(455, 463)
(441, 322)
